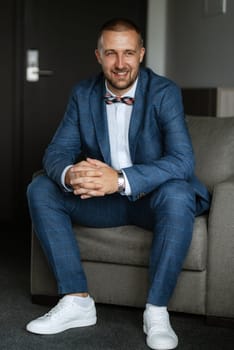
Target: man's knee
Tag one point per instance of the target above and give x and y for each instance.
(175, 194)
(40, 188)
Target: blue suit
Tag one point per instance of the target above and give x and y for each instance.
(165, 194)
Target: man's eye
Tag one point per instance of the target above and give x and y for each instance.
(129, 53)
(109, 53)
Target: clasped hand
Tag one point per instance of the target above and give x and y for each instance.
(92, 178)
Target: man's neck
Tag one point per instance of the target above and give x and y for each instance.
(129, 92)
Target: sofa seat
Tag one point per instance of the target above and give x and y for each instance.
(131, 245)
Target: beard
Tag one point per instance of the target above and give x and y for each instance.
(119, 83)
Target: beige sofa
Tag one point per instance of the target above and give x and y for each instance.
(116, 259)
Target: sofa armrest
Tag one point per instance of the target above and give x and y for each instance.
(220, 288)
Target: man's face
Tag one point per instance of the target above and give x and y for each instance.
(120, 55)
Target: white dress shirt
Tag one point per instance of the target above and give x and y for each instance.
(118, 120)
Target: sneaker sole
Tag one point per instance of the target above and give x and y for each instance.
(159, 347)
(73, 324)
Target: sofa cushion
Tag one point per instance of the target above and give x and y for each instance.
(130, 245)
(213, 142)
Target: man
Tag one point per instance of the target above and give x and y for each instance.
(121, 155)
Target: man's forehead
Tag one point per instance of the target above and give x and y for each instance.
(127, 38)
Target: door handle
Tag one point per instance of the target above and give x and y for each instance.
(33, 73)
(45, 73)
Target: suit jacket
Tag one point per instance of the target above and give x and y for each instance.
(159, 142)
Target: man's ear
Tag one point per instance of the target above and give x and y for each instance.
(97, 54)
(142, 54)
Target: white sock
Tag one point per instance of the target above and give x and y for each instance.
(156, 308)
(82, 301)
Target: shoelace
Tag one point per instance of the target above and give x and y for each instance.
(57, 308)
(159, 321)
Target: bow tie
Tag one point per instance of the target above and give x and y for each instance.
(109, 99)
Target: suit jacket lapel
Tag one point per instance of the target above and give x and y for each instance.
(98, 111)
(138, 113)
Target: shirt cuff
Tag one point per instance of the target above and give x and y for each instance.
(127, 191)
(66, 188)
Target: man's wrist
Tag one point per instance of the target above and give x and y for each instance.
(66, 187)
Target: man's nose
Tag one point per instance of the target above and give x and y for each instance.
(119, 61)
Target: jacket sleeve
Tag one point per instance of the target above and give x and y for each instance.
(65, 146)
(177, 159)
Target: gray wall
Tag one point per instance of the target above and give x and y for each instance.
(157, 35)
(199, 49)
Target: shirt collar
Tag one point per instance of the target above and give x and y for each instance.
(130, 92)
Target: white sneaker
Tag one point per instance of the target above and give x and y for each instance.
(160, 335)
(66, 314)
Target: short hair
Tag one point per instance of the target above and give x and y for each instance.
(120, 25)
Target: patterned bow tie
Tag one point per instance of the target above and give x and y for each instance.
(109, 99)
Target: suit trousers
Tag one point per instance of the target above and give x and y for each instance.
(168, 211)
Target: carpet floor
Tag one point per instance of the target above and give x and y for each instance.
(118, 328)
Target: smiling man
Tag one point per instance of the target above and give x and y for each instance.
(121, 155)
(119, 56)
